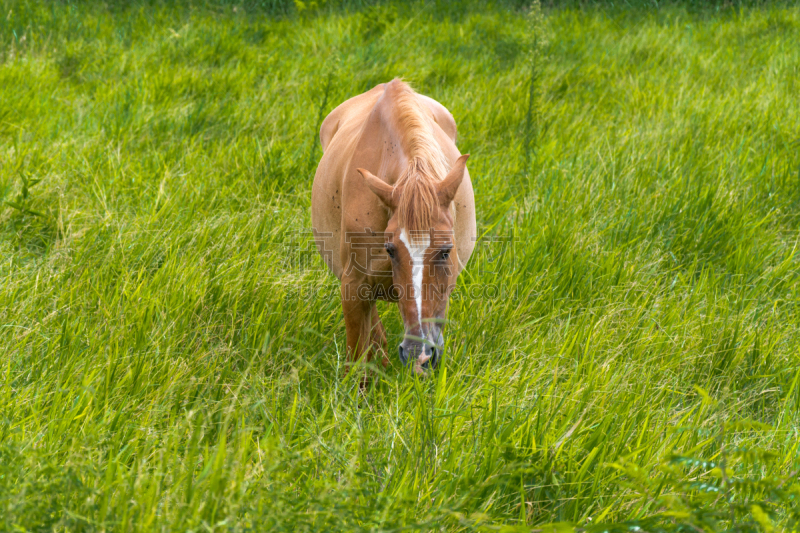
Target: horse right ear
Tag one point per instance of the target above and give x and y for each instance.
(449, 185)
(382, 190)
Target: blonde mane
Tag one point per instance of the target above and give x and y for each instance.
(427, 164)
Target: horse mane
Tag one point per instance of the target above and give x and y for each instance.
(427, 164)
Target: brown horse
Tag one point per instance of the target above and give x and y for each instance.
(402, 234)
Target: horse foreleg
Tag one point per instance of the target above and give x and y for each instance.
(357, 322)
(379, 345)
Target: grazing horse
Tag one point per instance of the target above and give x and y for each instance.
(393, 217)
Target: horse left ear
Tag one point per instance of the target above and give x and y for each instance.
(449, 185)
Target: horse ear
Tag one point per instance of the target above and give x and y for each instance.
(449, 185)
(382, 190)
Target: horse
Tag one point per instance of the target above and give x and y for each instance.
(393, 217)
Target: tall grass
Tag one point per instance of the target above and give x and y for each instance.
(173, 350)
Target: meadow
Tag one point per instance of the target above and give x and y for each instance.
(172, 347)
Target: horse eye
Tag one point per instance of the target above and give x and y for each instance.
(446, 252)
(390, 249)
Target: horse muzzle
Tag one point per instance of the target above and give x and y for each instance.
(424, 352)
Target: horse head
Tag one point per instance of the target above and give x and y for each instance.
(420, 243)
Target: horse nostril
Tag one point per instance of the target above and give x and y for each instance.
(402, 354)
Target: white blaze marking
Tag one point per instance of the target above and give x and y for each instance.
(417, 251)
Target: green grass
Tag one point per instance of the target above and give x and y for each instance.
(165, 367)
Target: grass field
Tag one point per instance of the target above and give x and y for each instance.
(172, 351)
